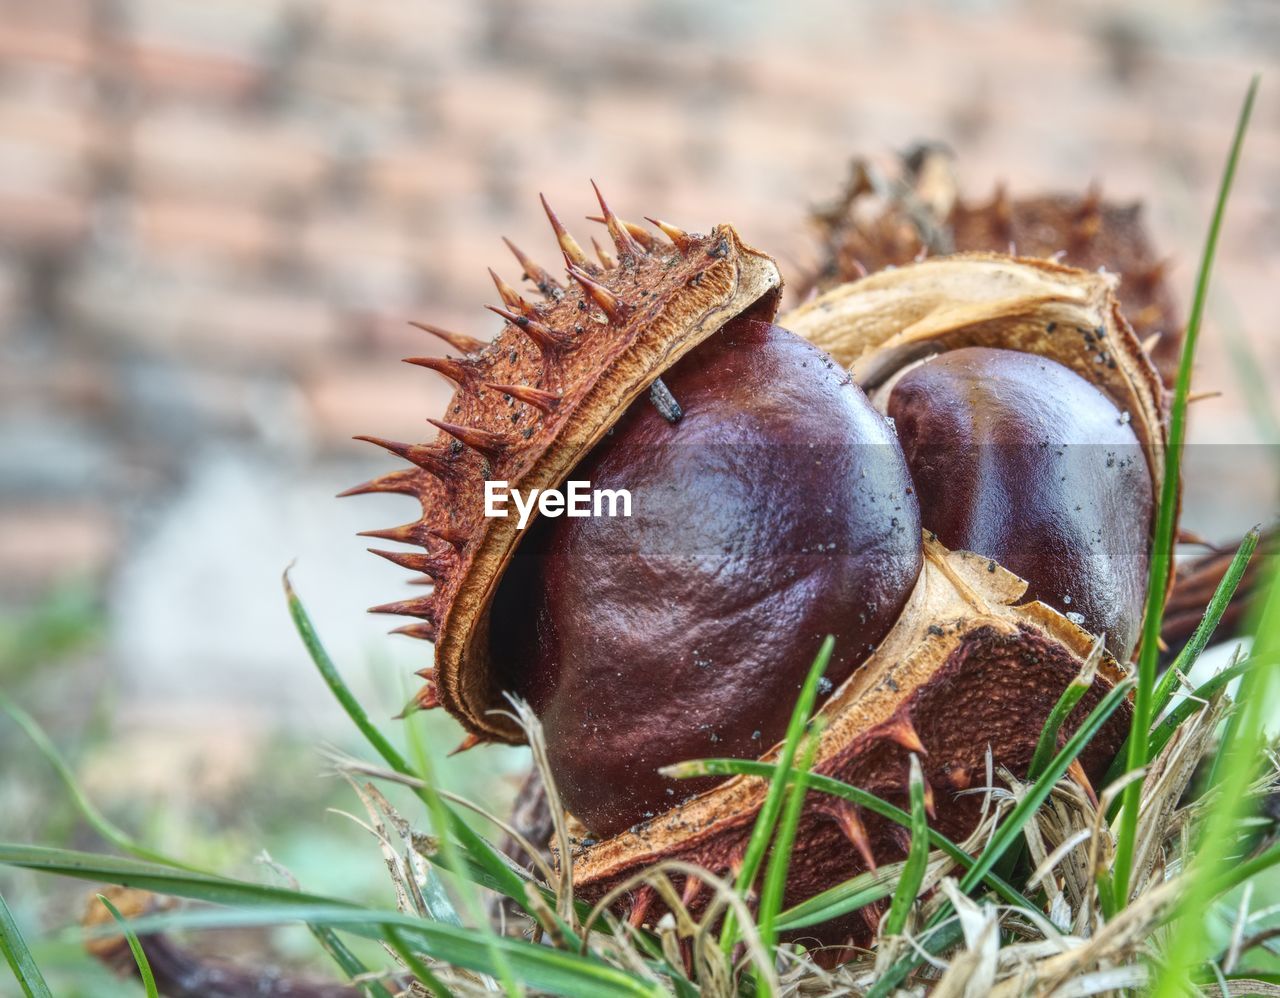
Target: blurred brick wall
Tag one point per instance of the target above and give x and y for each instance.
(215, 218)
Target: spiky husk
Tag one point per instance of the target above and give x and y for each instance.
(961, 637)
(889, 220)
(528, 407)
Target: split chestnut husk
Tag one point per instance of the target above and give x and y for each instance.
(1033, 421)
(967, 662)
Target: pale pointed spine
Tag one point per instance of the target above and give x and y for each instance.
(423, 609)
(626, 243)
(900, 729)
(422, 632)
(483, 441)
(1077, 773)
(606, 259)
(457, 371)
(402, 483)
(1089, 215)
(424, 456)
(459, 341)
(546, 338)
(692, 888)
(637, 232)
(432, 565)
(544, 401)
(640, 906)
(1002, 210)
(568, 245)
(426, 698)
(406, 533)
(468, 743)
(614, 308)
(541, 278)
(679, 238)
(855, 831)
(510, 296)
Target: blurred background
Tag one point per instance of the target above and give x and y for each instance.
(216, 219)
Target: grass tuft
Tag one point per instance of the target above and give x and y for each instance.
(1166, 515)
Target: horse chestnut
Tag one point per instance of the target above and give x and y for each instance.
(780, 508)
(1021, 460)
(776, 511)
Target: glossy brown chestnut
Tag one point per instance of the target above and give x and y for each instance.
(1020, 459)
(776, 511)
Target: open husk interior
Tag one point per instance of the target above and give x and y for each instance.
(966, 669)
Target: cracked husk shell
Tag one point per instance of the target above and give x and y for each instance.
(966, 666)
(880, 222)
(529, 406)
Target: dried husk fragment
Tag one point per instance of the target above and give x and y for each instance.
(890, 217)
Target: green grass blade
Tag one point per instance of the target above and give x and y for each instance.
(1162, 548)
(351, 964)
(19, 958)
(917, 857)
(123, 841)
(1067, 701)
(1195, 702)
(448, 824)
(500, 874)
(935, 940)
(539, 967)
(156, 877)
(440, 818)
(416, 967)
(337, 686)
(100, 823)
(265, 904)
(775, 877)
(836, 788)
(1212, 868)
(857, 892)
(1222, 596)
(767, 819)
(1237, 873)
(1037, 793)
(1168, 684)
(135, 947)
(435, 897)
